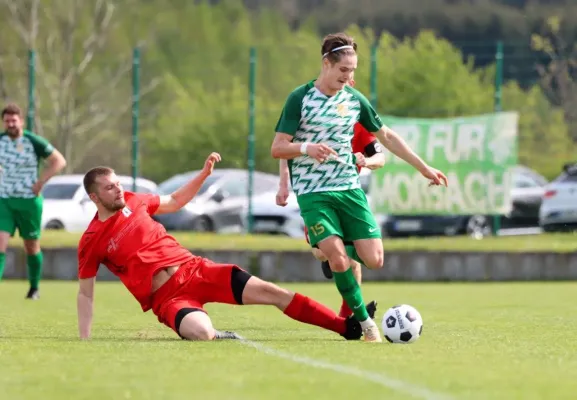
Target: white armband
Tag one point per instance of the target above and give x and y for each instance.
(304, 147)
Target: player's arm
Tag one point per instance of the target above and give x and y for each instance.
(85, 306)
(88, 263)
(374, 156)
(55, 163)
(180, 197)
(396, 145)
(283, 187)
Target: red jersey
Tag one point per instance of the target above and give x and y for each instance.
(132, 245)
(361, 139)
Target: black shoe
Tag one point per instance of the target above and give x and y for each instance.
(220, 335)
(354, 331)
(327, 270)
(33, 294)
(372, 309)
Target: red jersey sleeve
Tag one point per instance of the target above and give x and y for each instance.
(88, 262)
(151, 200)
(362, 138)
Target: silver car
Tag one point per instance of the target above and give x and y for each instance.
(219, 205)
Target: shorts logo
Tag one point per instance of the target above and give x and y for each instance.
(372, 230)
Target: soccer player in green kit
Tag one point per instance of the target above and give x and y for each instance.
(314, 134)
(21, 153)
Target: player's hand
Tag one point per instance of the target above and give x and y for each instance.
(37, 187)
(282, 196)
(360, 160)
(209, 163)
(435, 176)
(320, 152)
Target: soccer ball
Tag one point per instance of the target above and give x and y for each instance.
(402, 324)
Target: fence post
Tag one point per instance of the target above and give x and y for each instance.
(251, 133)
(31, 90)
(373, 94)
(135, 112)
(498, 106)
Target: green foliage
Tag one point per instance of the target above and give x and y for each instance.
(199, 54)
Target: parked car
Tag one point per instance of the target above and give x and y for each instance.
(526, 194)
(559, 209)
(219, 205)
(68, 207)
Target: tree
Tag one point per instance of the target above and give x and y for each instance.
(559, 74)
(83, 87)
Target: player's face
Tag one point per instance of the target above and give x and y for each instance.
(12, 124)
(340, 73)
(109, 192)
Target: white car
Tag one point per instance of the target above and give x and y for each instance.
(268, 218)
(68, 207)
(558, 210)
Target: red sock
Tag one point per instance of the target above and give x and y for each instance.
(345, 310)
(307, 310)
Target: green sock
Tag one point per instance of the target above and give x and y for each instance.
(2, 264)
(351, 292)
(34, 263)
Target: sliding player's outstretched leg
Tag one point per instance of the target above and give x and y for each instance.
(300, 308)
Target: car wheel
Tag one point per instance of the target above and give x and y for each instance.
(478, 227)
(202, 224)
(54, 225)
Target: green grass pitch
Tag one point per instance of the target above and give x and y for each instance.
(480, 341)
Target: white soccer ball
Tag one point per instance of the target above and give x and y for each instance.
(402, 324)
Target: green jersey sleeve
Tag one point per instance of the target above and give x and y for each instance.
(290, 117)
(42, 147)
(368, 116)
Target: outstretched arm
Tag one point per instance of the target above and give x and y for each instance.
(283, 190)
(180, 197)
(85, 303)
(392, 141)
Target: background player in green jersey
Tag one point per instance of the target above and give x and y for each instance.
(20, 187)
(314, 134)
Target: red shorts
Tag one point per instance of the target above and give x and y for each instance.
(307, 235)
(196, 283)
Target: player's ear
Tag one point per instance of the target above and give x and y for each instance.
(93, 197)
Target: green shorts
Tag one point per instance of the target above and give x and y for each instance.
(342, 213)
(24, 214)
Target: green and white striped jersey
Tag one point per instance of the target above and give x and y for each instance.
(311, 116)
(20, 162)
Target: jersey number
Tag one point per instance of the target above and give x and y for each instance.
(317, 229)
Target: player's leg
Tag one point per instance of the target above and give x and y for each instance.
(229, 284)
(345, 309)
(299, 307)
(361, 228)
(7, 229)
(28, 219)
(189, 320)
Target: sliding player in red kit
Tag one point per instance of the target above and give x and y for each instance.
(164, 276)
(368, 154)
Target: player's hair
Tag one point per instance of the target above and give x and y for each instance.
(11, 109)
(90, 177)
(337, 45)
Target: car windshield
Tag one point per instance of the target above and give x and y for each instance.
(170, 185)
(60, 191)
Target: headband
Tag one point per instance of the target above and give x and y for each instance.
(337, 49)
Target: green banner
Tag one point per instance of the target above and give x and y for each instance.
(476, 153)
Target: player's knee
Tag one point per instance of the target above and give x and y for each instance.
(375, 261)
(31, 246)
(200, 333)
(339, 262)
(319, 255)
